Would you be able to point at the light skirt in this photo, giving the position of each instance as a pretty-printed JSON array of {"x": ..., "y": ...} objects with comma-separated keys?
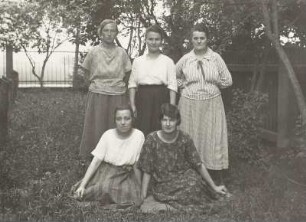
[
  {"x": 112, "y": 185},
  {"x": 205, "y": 122},
  {"x": 99, "y": 117}
]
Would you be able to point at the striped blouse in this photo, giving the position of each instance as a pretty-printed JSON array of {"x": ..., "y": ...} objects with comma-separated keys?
[{"x": 200, "y": 79}]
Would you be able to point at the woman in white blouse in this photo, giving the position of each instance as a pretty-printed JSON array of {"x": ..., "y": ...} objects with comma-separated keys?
[
  {"x": 152, "y": 82},
  {"x": 112, "y": 177},
  {"x": 201, "y": 74}
]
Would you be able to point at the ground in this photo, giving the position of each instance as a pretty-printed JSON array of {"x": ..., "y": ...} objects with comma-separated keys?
[{"x": 39, "y": 165}]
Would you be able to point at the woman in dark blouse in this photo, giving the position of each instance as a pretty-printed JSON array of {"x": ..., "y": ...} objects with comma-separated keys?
[{"x": 170, "y": 159}]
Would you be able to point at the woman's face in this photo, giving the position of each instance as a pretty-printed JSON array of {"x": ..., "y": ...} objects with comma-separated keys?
[
  {"x": 199, "y": 40},
  {"x": 123, "y": 120},
  {"x": 109, "y": 33},
  {"x": 168, "y": 124},
  {"x": 153, "y": 41}
]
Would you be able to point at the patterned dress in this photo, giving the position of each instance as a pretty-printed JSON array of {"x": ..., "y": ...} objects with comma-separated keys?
[{"x": 172, "y": 167}]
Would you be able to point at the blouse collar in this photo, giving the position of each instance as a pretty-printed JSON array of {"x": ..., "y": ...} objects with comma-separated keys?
[{"x": 208, "y": 55}]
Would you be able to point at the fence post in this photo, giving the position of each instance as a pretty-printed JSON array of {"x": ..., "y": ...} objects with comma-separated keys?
[
  {"x": 4, "y": 108},
  {"x": 284, "y": 104},
  {"x": 9, "y": 60}
]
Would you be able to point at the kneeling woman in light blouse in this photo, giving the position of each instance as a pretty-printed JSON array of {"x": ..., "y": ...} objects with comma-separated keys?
[
  {"x": 152, "y": 82},
  {"x": 112, "y": 177}
]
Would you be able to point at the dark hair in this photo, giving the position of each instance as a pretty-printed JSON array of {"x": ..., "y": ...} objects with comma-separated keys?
[
  {"x": 156, "y": 29},
  {"x": 200, "y": 27},
  {"x": 124, "y": 107},
  {"x": 171, "y": 111}
]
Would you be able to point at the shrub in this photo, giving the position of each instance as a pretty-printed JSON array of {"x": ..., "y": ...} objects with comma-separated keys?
[
  {"x": 244, "y": 120},
  {"x": 299, "y": 140}
]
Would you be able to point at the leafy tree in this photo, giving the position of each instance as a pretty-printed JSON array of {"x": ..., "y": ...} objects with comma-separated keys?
[
  {"x": 256, "y": 26},
  {"x": 28, "y": 25},
  {"x": 80, "y": 18},
  {"x": 270, "y": 10},
  {"x": 44, "y": 25},
  {"x": 176, "y": 18}
]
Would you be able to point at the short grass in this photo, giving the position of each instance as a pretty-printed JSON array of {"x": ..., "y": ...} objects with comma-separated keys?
[{"x": 40, "y": 164}]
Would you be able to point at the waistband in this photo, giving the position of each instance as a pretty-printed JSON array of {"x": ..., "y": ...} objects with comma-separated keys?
[{"x": 152, "y": 86}]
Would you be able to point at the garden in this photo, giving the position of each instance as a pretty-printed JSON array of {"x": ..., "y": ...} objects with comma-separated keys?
[{"x": 39, "y": 164}]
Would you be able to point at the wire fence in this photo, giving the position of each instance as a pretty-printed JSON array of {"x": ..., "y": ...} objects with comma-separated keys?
[{"x": 58, "y": 70}]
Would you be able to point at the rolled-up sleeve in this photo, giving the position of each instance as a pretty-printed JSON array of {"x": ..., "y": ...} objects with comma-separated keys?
[
  {"x": 179, "y": 73},
  {"x": 132, "y": 80},
  {"x": 87, "y": 63},
  {"x": 171, "y": 76},
  {"x": 101, "y": 148},
  {"x": 141, "y": 140},
  {"x": 146, "y": 159},
  {"x": 127, "y": 62},
  {"x": 225, "y": 78}
]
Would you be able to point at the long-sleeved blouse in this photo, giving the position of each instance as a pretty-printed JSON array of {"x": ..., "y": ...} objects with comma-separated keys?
[{"x": 201, "y": 79}]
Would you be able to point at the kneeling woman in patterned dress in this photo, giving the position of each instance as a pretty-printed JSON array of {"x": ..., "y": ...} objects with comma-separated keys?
[
  {"x": 170, "y": 159},
  {"x": 112, "y": 177}
]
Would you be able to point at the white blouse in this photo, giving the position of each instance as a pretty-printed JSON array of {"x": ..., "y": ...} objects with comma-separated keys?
[
  {"x": 118, "y": 152},
  {"x": 158, "y": 71}
]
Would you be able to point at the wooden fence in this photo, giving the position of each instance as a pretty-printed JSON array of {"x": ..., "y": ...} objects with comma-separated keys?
[{"x": 281, "y": 111}]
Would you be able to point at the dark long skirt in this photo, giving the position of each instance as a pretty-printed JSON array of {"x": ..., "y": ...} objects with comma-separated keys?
[
  {"x": 99, "y": 117},
  {"x": 149, "y": 99},
  {"x": 112, "y": 185}
]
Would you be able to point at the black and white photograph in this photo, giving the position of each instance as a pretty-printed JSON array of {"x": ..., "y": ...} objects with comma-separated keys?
[{"x": 152, "y": 110}]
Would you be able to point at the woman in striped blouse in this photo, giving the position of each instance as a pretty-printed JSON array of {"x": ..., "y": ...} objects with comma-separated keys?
[{"x": 201, "y": 74}]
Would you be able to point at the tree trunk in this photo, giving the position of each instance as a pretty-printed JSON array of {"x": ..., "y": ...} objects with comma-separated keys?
[
  {"x": 9, "y": 60},
  {"x": 294, "y": 82},
  {"x": 262, "y": 69},
  {"x": 76, "y": 59},
  {"x": 42, "y": 73},
  {"x": 4, "y": 108},
  {"x": 271, "y": 18}
]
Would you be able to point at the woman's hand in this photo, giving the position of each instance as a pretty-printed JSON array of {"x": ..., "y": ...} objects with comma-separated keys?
[
  {"x": 80, "y": 192},
  {"x": 221, "y": 190},
  {"x": 134, "y": 110}
]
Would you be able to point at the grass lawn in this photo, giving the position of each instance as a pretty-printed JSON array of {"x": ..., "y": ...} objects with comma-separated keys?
[{"x": 40, "y": 164}]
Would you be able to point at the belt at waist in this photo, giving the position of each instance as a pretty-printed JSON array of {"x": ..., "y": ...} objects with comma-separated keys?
[{"x": 152, "y": 86}]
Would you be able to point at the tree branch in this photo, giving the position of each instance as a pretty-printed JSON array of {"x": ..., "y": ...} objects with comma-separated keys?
[
  {"x": 274, "y": 37},
  {"x": 275, "y": 20}
]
